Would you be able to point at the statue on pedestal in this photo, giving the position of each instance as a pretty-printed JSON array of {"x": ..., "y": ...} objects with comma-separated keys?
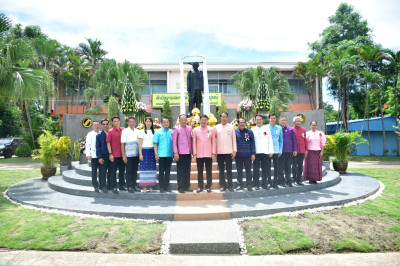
[{"x": 195, "y": 87}]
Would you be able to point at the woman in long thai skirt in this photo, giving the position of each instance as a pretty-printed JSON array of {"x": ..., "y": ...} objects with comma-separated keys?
[
  {"x": 148, "y": 174},
  {"x": 313, "y": 162}
]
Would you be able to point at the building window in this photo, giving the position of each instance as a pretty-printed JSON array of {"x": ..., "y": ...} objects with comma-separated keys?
[
  {"x": 297, "y": 86},
  {"x": 157, "y": 83},
  {"x": 221, "y": 82}
]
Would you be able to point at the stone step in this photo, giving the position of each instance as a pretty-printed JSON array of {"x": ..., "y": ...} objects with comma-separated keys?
[
  {"x": 38, "y": 193},
  {"x": 204, "y": 237},
  {"x": 63, "y": 184}
]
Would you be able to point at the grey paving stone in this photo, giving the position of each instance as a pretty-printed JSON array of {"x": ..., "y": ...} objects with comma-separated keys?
[{"x": 204, "y": 237}]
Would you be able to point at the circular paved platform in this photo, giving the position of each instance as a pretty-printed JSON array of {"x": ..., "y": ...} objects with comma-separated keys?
[{"x": 72, "y": 191}]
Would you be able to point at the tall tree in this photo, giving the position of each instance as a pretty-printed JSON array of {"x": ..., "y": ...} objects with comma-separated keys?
[
  {"x": 394, "y": 70},
  {"x": 93, "y": 53}
]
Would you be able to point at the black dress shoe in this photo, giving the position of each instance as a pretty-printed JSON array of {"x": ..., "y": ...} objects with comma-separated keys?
[
  {"x": 188, "y": 190},
  {"x": 136, "y": 189},
  {"x": 115, "y": 190},
  {"x": 222, "y": 189},
  {"x": 266, "y": 187},
  {"x": 130, "y": 190},
  {"x": 168, "y": 189},
  {"x": 181, "y": 190},
  {"x": 122, "y": 188},
  {"x": 162, "y": 190},
  {"x": 299, "y": 183},
  {"x": 199, "y": 190},
  {"x": 257, "y": 188},
  {"x": 283, "y": 185},
  {"x": 209, "y": 190},
  {"x": 96, "y": 189},
  {"x": 239, "y": 187},
  {"x": 105, "y": 190},
  {"x": 231, "y": 189},
  {"x": 249, "y": 188},
  {"x": 290, "y": 184}
]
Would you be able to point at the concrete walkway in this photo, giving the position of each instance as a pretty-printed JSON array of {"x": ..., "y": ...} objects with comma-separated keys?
[
  {"x": 375, "y": 164},
  {"x": 88, "y": 259}
]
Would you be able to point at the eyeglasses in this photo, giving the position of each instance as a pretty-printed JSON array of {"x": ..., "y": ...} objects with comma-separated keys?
[{"x": 105, "y": 124}]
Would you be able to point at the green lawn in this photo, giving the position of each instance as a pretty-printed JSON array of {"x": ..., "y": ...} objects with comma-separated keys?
[
  {"x": 373, "y": 226},
  {"x": 23, "y": 228},
  {"x": 21, "y": 160},
  {"x": 373, "y": 158}
]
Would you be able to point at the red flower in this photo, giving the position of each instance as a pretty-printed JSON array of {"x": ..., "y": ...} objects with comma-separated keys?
[
  {"x": 265, "y": 133},
  {"x": 246, "y": 135}
]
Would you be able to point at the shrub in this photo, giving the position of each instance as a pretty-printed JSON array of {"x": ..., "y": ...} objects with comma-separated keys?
[
  {"x": 344, "y": 142},
  {"x": 23, "y": 151},
  {"x": 48, "y": 149}
]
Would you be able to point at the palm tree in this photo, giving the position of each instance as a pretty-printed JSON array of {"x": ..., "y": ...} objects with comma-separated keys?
[
  {"x": 369, "y": 56},
  {"x": 279, "y": 90},
  {"x": 394, "y": 66},
  {"x": 80, "y": 70},
  {"x": 5, "y": 23},
  {"x": 111, "y": 79},
  {"x": 248, "y": 81},
  {"x": 305, "y": 71},
  {"x": 342, "y": 68},
  {"x": 93, "y": 53},
  {"x": 18, "y": 82}
]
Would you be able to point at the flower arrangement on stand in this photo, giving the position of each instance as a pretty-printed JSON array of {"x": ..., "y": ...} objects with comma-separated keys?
[
  {"x": 251, "y": 123},
  {"x": 235, "y": 123},
  {"x": 140, "y": 126},
  {"x": 247, "y": 108},
  {"x": 82, "y": 144},
  {"x": 156, "y": 123},
  {"x": 211, "y": 119},
  {"x": 141, "y": 112}
]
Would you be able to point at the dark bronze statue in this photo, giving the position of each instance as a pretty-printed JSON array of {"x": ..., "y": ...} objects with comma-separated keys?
[{"x": 195, "y": 87}]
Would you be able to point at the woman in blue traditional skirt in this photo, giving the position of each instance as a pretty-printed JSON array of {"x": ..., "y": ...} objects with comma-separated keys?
[
  {"x": 148, "y": 174},
  {"x": 313, "y": 159}
]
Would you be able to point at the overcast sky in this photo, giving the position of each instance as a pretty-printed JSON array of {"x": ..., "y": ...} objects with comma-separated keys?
[{"x": 219, "y": 30}]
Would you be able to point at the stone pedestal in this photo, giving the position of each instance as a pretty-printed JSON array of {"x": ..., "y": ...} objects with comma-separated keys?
[{"x": 232, "y": 114}]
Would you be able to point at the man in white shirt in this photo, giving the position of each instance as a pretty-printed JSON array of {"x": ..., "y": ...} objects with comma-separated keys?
[
  {"x": 130, "y": 153},
  {"x": 264, "y": 150},
  {"x": 91, "y": 153}
]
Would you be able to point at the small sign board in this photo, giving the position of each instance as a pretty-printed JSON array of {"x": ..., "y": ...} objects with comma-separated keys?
[
  {"x": 175, "y": 99},
  {"x": 86, "y": 122}
]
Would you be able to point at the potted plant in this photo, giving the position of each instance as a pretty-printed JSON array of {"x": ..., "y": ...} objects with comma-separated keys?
[
  {"x": 328, "y": 151},
  {"x": 76, "y": 153},
  {"x": 64, "y": 149},
  {"x": 344, "y": 142},
  {"x": 47, "y": 154}
]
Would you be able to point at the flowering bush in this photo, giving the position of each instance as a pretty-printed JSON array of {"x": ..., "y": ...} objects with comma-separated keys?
[
  {"x": 141, "y": 107},
  {"x": 156, "y": 123},
  {"x": 140, "y": 126}
]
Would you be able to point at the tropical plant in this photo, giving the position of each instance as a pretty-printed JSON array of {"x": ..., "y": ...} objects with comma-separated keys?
[
  {"x": 344, "y": 143},
  {"x": 5, "y": 23},
  {"x": 64, "y": 148},
  {"x": 23, "y": 151},
  {"x": 167, "y": 112},
  {"x": 48, "y": 149},
  {"x": 329, "y": 147},
  {"x": 112, "y": 107},
  {"x": 76, "y": 151}
]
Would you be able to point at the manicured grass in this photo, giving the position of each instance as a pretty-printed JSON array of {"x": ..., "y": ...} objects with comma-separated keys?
[
  {"x": 373, "y": 226},
  {"x": 21, "y": 160},
  {"x": 373, "y": 158},
  {"x": 23, "y": 228}
]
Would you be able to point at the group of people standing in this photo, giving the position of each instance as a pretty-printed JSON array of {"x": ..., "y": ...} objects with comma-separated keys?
[{"x": 284, "y": 147}]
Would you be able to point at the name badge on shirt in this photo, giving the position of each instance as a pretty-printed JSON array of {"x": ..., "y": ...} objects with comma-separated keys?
[{"x": 132, "y": 149}]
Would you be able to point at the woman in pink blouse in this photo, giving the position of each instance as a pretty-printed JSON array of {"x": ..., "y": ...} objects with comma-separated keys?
[{"x": 313, "y": 163}]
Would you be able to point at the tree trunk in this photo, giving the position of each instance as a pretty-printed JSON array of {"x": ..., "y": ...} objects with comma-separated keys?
[
  {"x": 383, "y": 122},
  {"x": 44, "y": 111},
  {"x": 366, "y": 108},
  {"x": 20, "y": 120},
  {"x": 28, "y": 116}
]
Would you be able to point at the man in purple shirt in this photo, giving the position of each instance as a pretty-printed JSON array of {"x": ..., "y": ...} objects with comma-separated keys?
[
  {"x": 288, "y": 151},
  {"x": 182, "y": 147}
]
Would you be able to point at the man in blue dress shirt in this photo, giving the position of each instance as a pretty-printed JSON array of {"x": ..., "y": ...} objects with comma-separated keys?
[
  {"x": 277, "y": 141},
  {"x": 102, "y": 154},
  {"x": 163, "y": 152}
]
